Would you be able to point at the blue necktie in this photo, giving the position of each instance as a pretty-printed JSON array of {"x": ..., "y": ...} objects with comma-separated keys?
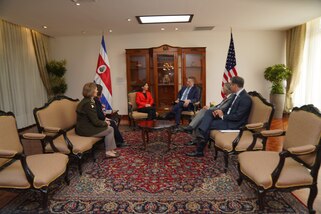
[{"x": 185, "y": 94}]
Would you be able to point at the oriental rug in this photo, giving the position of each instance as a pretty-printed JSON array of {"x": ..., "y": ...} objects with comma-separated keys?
[{"x": 154, "y": 181}]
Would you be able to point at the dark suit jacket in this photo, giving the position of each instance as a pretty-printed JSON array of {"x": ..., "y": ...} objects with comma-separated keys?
[
  {"x": 240, "y": 111},
  {"x": 193, "y": 95},
  {"x": 225, "y": 104},
  {"x": 99, "y": 109}
]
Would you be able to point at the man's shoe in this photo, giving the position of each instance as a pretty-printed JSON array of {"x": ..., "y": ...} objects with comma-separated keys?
[
  {"x": 121, "y": 145},
  {"x": 191, "y": 143},
  {"x": 188, "y": 129},
  {"x": 200, "y": 137},
  {"x": 195, "y": 154}
]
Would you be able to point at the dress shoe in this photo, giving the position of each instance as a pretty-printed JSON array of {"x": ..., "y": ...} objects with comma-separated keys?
[
  {"x": 121, "y": 145},
  {"x": 191, "y": 143},
  {"x": 200, "y": 137},
  {"x": 195, "y": 154},
  {"x": 188, "y": 129}
]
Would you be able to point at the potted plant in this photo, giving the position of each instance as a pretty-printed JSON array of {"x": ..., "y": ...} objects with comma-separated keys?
[
  {"x": 277, "y": 74},
  {"x": 56, "y": 71}
]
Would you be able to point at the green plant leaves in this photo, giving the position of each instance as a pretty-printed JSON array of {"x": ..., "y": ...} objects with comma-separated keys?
[
  {"x": 56, "y": 71},
  {"x": 276, "y": 74}
]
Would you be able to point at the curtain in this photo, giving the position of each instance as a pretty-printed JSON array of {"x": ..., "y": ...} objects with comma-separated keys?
[
  {"x": 309, "y": 85},
  {"x": 294, "y": 54},
  {"x": 40, "y": 43},
  {"x": 21, "y": 88}
]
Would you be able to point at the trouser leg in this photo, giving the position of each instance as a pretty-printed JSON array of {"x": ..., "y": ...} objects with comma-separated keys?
[{"x": 109, "y": 139}]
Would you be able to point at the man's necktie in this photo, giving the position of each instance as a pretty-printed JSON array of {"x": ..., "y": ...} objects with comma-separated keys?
[
  {"x": 229, "y": 110},
  {"x": 185, "y": 94}
]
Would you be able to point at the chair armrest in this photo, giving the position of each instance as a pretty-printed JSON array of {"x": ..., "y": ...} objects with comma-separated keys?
[
  {"x": 273, "y": 133},
  {"x": 33, "y": 136},
  {"x": 253, "y": 126},
  {"x": 51, "y": 129},
  {"x": 7, "y": 153},
  {"x": 302, "y": 150}
]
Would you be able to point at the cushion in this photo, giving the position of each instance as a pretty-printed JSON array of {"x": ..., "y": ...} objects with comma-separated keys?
[{"x": 259, "y": 165}]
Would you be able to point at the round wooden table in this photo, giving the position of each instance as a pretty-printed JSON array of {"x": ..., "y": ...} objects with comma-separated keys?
[{"x": 151, "y": 125}]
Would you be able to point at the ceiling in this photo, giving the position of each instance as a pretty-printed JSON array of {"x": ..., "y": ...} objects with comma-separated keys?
[{"x": 93, "y": 17}]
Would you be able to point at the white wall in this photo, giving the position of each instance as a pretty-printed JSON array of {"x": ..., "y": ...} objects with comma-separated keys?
[{"x": 255, "y": 50}]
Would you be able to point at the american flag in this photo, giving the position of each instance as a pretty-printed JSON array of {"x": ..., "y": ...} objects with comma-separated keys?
[
  {"x": 230, "y": 67},
  {"x": 102, "y": 76}
]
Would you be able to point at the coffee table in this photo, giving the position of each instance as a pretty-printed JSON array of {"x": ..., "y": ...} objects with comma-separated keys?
[{"x": 152, "y": 125}]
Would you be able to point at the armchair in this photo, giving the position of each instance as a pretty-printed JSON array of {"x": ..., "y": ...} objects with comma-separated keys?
[
  {"x": 260, "y": 118},
  {"x": 296, "y": 166},
  {"x": 18, "y": 171},
  {"x": 133, "y": 114}
]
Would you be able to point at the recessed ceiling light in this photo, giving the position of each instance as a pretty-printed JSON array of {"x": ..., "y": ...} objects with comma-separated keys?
[
  {"x": 129, "y": 19},
  {"x": 162, "y": 28},
  {"x": 176, "y": 28},
  {"x": 77, "y": 3},
  {"x": 45, "y": 27},
  {"x": 164, "y": 19},
  {"x": 110, "y": 31}
]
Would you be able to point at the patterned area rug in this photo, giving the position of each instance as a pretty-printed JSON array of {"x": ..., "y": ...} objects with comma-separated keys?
[{"x": 154, "y": 181}]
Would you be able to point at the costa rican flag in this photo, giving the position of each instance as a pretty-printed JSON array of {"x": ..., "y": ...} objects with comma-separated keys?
[
  {"x": 230, "y": 67},
  {"x": 103, "y": 77}
]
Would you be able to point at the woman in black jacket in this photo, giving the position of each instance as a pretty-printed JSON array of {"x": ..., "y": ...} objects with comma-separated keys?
[{"x": 120, "y": 142}]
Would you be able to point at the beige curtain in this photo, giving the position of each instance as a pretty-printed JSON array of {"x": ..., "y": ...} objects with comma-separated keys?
[
  {"x": 295, "y": 39},
  {"x": 40, "y": 43},
  {"x": 21, "y": 88}
]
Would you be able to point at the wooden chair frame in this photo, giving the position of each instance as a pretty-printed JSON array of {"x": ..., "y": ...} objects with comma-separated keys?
[
  {"x": 264, "y": 126},
  {"x": 283, "y": 156},
  {"x": 80, "y": 156},
  {"x": 27, "y": 171}
]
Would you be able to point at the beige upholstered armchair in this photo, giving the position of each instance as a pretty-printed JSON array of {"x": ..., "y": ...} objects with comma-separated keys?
[
  {"x": 260, "y": 118},
  {"x": 133, "y": 114},
  {"x": 57, "y": 119},
  {"x": 296, "y": 166},
  {"x": 18, "y": 171}
]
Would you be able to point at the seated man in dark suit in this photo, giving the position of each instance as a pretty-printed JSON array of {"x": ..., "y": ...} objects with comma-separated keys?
[
  {"x": 223, "y": 105},
  {"x": 231, "y": 119},
  {"x": 188, "y": 95}
]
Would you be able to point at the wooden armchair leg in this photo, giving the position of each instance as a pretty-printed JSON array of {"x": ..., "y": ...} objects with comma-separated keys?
[
  {"x": 312, "y": 196},
  {"x": 225, "y": 162},
  {"x": 80, "y": 160},
  {"x": 261, "y": 194},
  {"x": 67, "y": 180},
  {"x": 44, "y": 193}
]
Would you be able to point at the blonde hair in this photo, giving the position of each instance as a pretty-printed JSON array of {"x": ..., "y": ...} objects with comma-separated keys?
[{"x": 89, "y": 89}]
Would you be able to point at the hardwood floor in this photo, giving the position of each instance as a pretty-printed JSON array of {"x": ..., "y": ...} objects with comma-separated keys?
[{"x": 273, "y": 144}]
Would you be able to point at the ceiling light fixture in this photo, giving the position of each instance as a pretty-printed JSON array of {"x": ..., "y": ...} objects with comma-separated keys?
[
  {"x": 176, "y": 28},
  {"x": 110, "y": 31},
  {"x": 45, "y": 27},
  {"x": 165, "y": 19},
  {"x": 129, "y": 19},
  {"x": 162, "y": 28}
]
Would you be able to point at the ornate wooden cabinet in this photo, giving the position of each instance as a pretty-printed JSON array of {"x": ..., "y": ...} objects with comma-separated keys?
[{"x": 165, "y": 68}]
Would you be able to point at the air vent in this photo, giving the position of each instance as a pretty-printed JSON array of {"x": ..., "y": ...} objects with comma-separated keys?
[{"x": 204, "y": 28}]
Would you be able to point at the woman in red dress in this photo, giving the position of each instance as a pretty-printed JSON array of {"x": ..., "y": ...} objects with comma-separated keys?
[{"x": 145, "y": 101}]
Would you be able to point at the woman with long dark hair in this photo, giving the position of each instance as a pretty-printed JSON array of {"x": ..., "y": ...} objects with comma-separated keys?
[{"x": 120, "y": 142}]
